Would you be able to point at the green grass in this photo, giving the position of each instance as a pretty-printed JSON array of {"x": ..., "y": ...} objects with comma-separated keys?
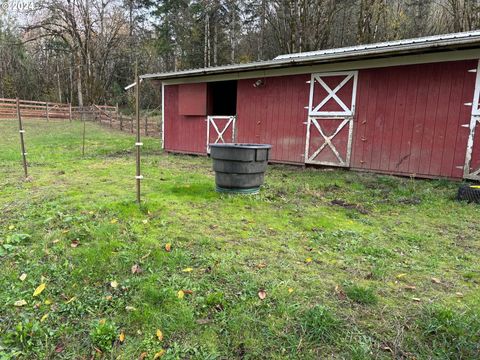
[{"x": 346, "y": 279}]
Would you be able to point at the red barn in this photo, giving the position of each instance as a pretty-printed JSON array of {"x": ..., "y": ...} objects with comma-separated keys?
[{"x": 407, "y": 107}]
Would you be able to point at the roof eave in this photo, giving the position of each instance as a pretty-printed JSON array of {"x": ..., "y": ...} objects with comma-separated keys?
[{"x": 445, "y": 45}]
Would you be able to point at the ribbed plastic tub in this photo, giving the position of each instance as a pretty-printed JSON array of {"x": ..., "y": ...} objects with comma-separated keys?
[{"x": 239, "y": 168}]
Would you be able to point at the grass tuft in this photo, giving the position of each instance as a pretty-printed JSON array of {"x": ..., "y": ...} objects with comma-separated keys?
[
  {"x": 319, "y": 324},
  {"x": 359, "y": 294}
]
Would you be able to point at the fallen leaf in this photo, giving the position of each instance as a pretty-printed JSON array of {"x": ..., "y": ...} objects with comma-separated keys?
[
  {"x": 130, "y": 308},
  {"x": 11, "y": 227},
  {"x": 168, "y": 247},
  {"x": 308, "y": 260},
  {"x": 71, "y": 299},
  {"x": 47, "y": 302},
  {"x": 114, "y": 284},
  {"x": 180, "y": 294},
  {"x": 290, "y": 290},
  {"x": 143, "y": 355},
  {"x": 59, "y": 348},
  {"x": 39, "y": 289},
  {"x": 399, "y": 276},
  {"x": 55, "y": 241},
  {"x": 261, "y": 266},
  {"x": 145, "y": 221},
  {"x": 159, "y": 354},
  {"x": 74, "y": 243},
  {"x": 102, "y": 321},
  {"x": 113, "y": 221},
  {"x": 262, "y": 294},
  {"x": 436, "y": 280},
  {"x": 188, "y": 269},
  {"x": 136, "y": 269},
  {"x": 121, "y": 337},
  {"x": 23, "y": 277},
  {"x": 416, "y": 299},
  {"x": 410, "y": 287},
  {"x": 459, "y": 294},
  {"x": 108, "y": 297},
  {"x": 159, "y": 335},
  {"x": 146, "y": 255},
  {"x": 44, "y": 317},
  {"x": 20, "y": 303},
  {"x": 203, "y": 321}
]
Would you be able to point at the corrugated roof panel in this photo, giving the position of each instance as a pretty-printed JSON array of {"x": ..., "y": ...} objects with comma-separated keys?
[{"x": 391, "y": 48}]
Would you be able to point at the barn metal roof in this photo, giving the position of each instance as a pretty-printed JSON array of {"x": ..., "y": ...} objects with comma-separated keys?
[{"x": 463, "y": 40}]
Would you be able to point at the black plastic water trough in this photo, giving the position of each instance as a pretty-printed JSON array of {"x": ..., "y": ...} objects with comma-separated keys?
[{"x": 239, "y": 168}]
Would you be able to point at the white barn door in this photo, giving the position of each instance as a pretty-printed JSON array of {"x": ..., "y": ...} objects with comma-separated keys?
[
  {"x": 220, "y": 130},
  {"x": 471, "y": 169},
  {"x": 331, "y": 110}
]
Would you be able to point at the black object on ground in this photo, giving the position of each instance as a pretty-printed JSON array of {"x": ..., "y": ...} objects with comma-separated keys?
[
  {"x": 239, "y": 168},
  {"x": 469, "y": 193}
]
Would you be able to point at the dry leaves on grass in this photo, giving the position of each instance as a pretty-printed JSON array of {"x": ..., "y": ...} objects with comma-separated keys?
[
  {"x": 262, "y": 294},
  {"x": 121, "y": 337},
  {"x": 168, "y": 247},
  {"x": 20, "y": 303},
  {"x": 159, "y": 354},
  {"x": 159, "y": 335},
  {"x": 39, "y": 289},
  {"x": 23, "y": 277},
  {"x": 136, "y": 269}
]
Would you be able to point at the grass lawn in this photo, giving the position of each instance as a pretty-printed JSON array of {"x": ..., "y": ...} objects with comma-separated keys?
[{"x": 349, "y": 265}]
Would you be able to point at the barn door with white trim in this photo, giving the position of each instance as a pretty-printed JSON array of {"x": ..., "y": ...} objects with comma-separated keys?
[
  {"x": 220, "y": 130},
  {"x": 471, "y": 169},
  {"x": 331, "y": 110}
]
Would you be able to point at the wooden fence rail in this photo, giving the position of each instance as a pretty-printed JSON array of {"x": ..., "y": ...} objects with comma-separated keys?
[{"x": 105, "y": 115}]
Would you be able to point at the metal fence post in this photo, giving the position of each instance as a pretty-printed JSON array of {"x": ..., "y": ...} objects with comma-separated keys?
[{"x": 22, "y": 140}]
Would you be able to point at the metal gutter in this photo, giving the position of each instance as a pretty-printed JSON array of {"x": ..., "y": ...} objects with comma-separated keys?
[{"x": 448, "y": 42}]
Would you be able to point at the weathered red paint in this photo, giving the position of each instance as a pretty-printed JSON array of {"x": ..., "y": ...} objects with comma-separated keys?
[
  {"x": 408, "y": 119},
  {"x": 192, "y": 99},
  {"x": 182, "y": 133}
]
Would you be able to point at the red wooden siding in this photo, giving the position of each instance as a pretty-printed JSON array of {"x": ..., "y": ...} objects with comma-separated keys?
[
  {"x": 182, "y": 133},
  {"x": 275, "y": 114},
  {"x": 192, "y": 99},
  {"x": 408, "y": 119}
]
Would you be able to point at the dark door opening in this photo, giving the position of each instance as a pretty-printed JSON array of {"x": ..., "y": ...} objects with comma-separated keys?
[{"x": 222, "y": 98}]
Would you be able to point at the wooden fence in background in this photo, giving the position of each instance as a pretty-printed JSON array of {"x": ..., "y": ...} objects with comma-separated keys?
[{"x": 105, "y": 115}]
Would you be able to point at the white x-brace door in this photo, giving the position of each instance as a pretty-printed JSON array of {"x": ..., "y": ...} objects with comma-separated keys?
[
  {"x": 220, "y": 130},
  {"x": 473, "y": 144},
  {"x": 331, "y": 111}
]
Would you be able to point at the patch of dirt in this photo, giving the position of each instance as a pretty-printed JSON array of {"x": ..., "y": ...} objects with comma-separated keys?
[{"x": 346, "y": 205}]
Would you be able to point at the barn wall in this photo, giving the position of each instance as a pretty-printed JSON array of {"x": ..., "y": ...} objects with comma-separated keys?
[
  {"x": 182, "y": 133},
  {"x": 408, "y": 119},
  {"x": 274, "y": 114}
]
